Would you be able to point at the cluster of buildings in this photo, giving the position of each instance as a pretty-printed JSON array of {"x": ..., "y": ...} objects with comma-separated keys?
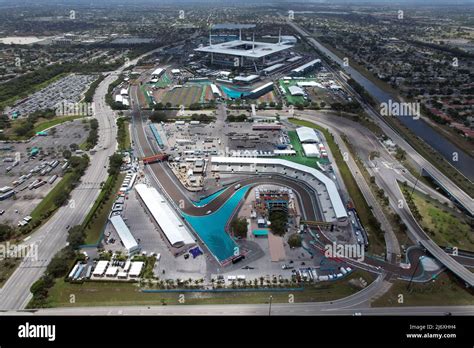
[{"x": 311, "y": 143}]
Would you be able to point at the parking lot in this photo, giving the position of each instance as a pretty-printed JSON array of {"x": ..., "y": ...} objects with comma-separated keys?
[
  {"x": 151, "y": 240},
  {"x": 23, "y": 163},
  {"x": 68, "y": 89}
]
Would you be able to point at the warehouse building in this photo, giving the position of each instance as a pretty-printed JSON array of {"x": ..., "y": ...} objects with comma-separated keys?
[
  {"x": 306, "y": 67},
  {"x": 176, "y": 233},
  {"x": 307, "y": 135},
  {"x": 129, "y": 242}
]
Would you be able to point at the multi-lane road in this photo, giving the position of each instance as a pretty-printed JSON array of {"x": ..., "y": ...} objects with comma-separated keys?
[
  {"x": 393, "y": 191},
  {"x": 51, "y": 237}
]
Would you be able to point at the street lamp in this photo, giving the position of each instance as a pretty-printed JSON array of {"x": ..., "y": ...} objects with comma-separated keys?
[
  {"x": 416, "y": 182},
  {"x": 270, "y": 307},
  {"x": 414, "y": 272}
]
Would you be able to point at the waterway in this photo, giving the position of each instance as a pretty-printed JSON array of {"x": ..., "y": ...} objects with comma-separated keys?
[{"x": 464, "y": 162}]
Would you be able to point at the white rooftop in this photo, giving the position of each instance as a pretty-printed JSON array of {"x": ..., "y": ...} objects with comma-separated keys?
[
  {"x": 136, "y": 268},
  {"x": 100, "y": 267},
  {"x": 307, "y": 135},
  {"x": 311, "y": 150},
  {"x": 307, "y": 65},
  {"x": 336, "y": 201},
  {"x": 233, "y": 48},
  {"x": 246, "y": 78},
  {"x": 124, "y": 233},
  {"x": 171, "y": 225},
  {"x": 295, "y": 90}
]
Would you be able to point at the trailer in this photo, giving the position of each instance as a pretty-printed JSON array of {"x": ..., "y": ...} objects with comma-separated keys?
[
  {"x": 78, "y": 272},
  {"x": 74, "y": 269},
  {"x": 88, "y": 272},
  {"x": 52, "y": 179}
]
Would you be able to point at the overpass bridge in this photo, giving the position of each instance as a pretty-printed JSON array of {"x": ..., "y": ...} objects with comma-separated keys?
[
  {"x": 460, "y": 198},
  {"x": 449, "y": 262}
]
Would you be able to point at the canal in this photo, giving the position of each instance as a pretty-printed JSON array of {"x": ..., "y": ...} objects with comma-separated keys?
[{"x": 464, "y": 163}]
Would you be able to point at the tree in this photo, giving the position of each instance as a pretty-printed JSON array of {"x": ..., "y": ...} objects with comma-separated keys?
[
  {"x": 76, "y": 236},
  {"x": 61, "y": 198},
  {"x": 278, "y": 221},
  {"x": 6, "y": 232},
  {"x": 115, "y": 162},
  {"x": 158, "y": 116},
  {"x": 74, "y": 147},
  {"x": 239, "y": 227},
  {"x": 294, "y": 240},
  {"x": 67, "y": 154}
]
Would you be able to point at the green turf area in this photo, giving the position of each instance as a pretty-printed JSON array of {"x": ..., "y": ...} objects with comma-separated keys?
[
  {"x": 300, "y": 157},
  {"x": 163, "y": 82},
  {"x": 183, "y": 96},
  {"x": 116, "y": 293},
  {"x": 145, "y": 94},
  {"x": 42, "y": 125},
  {"x": 123, "y": 134},
  {"x": 445, "y": 290},
  {"x": 39, "y": 125},
  {"x": 445, "y": 227},
  {"x": 99, "y": 213},
  {"x": 376, "y": 240},
  {"x": 291, "y": 99},
  {"x": 47, "y": 204}
]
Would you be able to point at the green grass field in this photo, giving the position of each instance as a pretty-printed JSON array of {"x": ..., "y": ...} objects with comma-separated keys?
[
  {"x": 97, "y": 221},
  {"x": 291, "y": 99},
  {"x": 126, "y": 294},
  {"x": 183, "y": 96},
  {"x": 445, "y": 290},
  {"x": 42, "y": 125},
  {"x": 444, "y": 227},
  {"x": 47, "y": 203},
  {"x": 163, "y": 82},
  {"x": 300, "y": 156},
  {"x": 39, "y": 126}
]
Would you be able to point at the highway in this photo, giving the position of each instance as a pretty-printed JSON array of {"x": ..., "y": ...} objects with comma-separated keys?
[
  {"x": 51, "y": 237},
  {"x": 293, "y": 309},
  {"x": 393, "y": 191},
  {"x": 455, "y": 191}
]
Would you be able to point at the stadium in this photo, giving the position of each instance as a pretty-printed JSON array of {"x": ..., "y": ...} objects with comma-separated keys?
[{"x": 254, "y": 55}]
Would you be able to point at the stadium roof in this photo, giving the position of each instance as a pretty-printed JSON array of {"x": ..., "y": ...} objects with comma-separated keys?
[
  {"x": 165, "y": 217},
  {"x": 242, "y": 48},
  {"x": 307, "y": 135},
  {"x": 336, "y": 201},
  {"x": 124, "y": 233}
]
